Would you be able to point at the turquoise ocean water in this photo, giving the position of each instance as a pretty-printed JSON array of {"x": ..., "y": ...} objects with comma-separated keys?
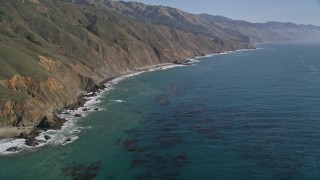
[{"x": 244, "y": 115}]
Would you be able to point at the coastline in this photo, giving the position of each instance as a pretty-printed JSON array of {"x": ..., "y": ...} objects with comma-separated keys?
[
  {"x": 14, "y": 141},
  {"x": 65, "y": 130}
]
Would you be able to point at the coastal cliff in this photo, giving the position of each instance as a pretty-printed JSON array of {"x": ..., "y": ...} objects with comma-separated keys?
[{"x": 52, "y": 50}]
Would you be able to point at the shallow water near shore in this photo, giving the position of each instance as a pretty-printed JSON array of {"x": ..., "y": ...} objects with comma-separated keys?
[{"x": 244, "y": 115}]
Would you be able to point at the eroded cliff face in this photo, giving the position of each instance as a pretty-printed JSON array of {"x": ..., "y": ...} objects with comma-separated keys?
[
  {"x": 42, "y": 99},
  {"x": 54, "y": 50}
]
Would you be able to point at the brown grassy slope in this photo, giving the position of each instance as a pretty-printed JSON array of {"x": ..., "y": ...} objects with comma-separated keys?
[{"x": 51, "y": 50}]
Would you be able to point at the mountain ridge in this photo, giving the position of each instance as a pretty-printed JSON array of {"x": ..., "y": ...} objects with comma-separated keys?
[
  {"x": 211, "y": 25},
  {"x": 53, "y": 50},
  {"x": 271, "y": 31}
]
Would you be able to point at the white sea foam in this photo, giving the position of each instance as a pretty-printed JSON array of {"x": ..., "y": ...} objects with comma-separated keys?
[
  {"x": 168, "y": 67},
  {"x": 118, "y": 101},
  {"x": 226, "y": 52},
  {"x": 8, "y": 143},
  {"x": 195, "y": 60}
]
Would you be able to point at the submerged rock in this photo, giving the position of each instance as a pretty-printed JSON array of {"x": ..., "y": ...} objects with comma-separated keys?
[
  {"x": 47, "y": 137},
  {"x": 164, "y": 99},
  {"x": 67, "y": 140},
  {"x": 138, "y": 161},
  {"x": 33, "y": 142},
  {"x": 80, "y": 171},
  {"x": 14, "y": 149},
  {"x": 130, "y": 144},
  {"x": 31, "y": 138},
  {"x": 77, "y": 115},
  {"x": 180, "y": 161}
]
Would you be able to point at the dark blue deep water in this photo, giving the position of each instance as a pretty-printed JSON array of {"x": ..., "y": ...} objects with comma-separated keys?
[{"x": 245, "y": 115}]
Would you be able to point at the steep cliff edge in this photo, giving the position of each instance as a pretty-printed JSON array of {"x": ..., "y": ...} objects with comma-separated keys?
[{"x": 51, "y": 50}]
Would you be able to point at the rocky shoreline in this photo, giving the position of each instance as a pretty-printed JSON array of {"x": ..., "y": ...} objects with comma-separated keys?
[{"x": 56, "y": 122}]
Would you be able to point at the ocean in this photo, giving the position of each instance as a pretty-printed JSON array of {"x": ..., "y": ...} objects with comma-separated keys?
[{"x": 243, "y": 115}]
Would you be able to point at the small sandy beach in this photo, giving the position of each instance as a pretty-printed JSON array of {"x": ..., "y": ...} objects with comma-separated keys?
[
  {"x": 154, "y": 66},
  {"x": 9, "y": 132}
]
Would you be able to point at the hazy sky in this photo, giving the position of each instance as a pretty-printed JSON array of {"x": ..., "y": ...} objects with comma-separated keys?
[{"x": 297, "y": 11}]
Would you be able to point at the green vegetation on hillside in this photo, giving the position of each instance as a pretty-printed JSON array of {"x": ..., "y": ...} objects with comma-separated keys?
[
  {"x": 13, "y": 61},
  {"x": 80, "y": 45},
  {"x": 6, "y": 94}
]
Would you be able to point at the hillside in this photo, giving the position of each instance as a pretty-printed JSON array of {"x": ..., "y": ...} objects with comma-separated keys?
[
  {"x": 171, "y": 17},
  {"x": 51, "y": 50}
]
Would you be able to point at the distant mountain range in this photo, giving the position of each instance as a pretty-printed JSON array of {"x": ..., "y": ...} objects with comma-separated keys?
[
  {"x": 51, "y": 50},
  {"x": 267, "y": 32},
  {"x": 213, "y": 26}
]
